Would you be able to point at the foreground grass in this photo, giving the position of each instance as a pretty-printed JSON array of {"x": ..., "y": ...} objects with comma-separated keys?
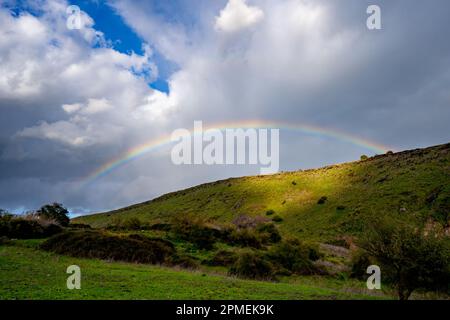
[{"x": 29, "y": 273}]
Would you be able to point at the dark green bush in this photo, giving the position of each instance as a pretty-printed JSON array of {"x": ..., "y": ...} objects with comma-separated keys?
[
  {"x": 79, "y": 226},
  {"x": 359, "y": 263},
  {"x": 270, "y": 212},
  {"x": 268, "y": 233},
  {"x": 293, "y": 256},
  {"x": 314, "y": 253},
  {"x": 223, "y": 258},
  {"x": 184, "y": 261},
  {"x": 96, "y": 244},
  {"x": 4, "y": 240},
  {"x": 195, "y": 230},
  {"x": 22, "y": 228},
  {"x": 246, "y": 237},
  {"x": 132, "y": 223},
  {"x": 322, "y": 200},
  {"x": 277, "y": 219},
  {"x": 251, "y": 265},
  {"x": 161, "y": 226}
]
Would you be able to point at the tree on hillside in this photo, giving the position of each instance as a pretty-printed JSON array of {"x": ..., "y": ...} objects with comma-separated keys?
[
  {"x": 409, "y": 257},
  {"x": 55, "y": 212}
]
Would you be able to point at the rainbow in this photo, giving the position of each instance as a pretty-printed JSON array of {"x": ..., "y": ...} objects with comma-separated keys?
[{"x": 154, "y": 144}]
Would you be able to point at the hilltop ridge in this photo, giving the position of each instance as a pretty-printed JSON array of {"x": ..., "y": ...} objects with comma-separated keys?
[{"x": 328, "y": 202}]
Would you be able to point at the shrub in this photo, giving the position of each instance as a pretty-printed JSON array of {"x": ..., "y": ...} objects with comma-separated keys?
[
  {"x": 409, "y": 257},
  {"x": 251, "y": 265},
  {"x": 79, "y": 226},
  {"x": 270, "y": 212},
  {"x": 364, "y": 157},
  {"x": 194, "y": 230},
  {"x": 4, "y": 240},
  {"x": 160, "y": 226},
  {"x": 313, "y": 253},
  {"x": 359, "y": 263},
  {"x": 26, "y": 228},
  {"x": 245, "y": 238},
  {"x": 55, "y": 212},
  {"x": 269, "y": 233},
  {"x": 322, "y": 200},
  {"x": 132, "y": 223},
  {"x": 96, "y": 244},
  {"x": 292, "y": 255},
  {"x": 223, "y": 258},
  {"x": 184, "y": 261},
  {"x": 277, "y": 219}
]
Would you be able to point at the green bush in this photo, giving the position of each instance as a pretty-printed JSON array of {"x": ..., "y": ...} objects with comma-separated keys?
[
  {"x": 359, "y": 263},
  {"x": 277, "y": 219},
  {"x": 161, "y": 227},
  {"x": 96, "y": 244},
  {"x": 184, "y": 261},
  {"x": 246, "y": 237},
  {"x": 313, "y": 253},
  {"x": 270, "y": 212},
  {"x": 268, "y": 233},
  {"x": 292, "y": 255},
  {"x": 195, "y": 230},
  {"x": 79, "y": 226},
  {"x": 132, "y": 224},
  {"x": 322, "y": 200},
  {"x": 223, "y": 258},
  {"x": 4, "y": 240},
  {"x": 15, "y": 227},
  {"x": 251, "y": 265}
]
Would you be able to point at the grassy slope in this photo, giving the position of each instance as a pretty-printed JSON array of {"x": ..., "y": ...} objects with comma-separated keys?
[
  {"x": 382, "y": 184},
  {"x": 29, "y": 273}
]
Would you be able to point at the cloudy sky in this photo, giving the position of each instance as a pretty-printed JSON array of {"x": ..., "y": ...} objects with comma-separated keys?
[{"x": 71, "y": 100}]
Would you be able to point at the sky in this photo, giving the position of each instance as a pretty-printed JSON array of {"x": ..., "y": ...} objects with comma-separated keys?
[{"x": 76, "y": 104}]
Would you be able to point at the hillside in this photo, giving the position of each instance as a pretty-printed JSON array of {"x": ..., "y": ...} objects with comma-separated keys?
[{"x": 410, "y": 185}]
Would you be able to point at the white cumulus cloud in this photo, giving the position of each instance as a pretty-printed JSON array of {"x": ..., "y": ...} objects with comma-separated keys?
[{"x": 238, "y": 15}]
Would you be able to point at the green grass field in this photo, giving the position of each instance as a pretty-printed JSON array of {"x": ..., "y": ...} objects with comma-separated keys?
[{"x": 29, "y": 273}]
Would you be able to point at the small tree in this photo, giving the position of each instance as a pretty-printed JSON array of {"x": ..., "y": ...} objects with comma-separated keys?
[
  {"x": 55, "y": 212},
  {"x": 409, "y": 257}
]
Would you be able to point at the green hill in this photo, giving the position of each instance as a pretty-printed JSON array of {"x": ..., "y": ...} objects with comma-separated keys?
[{"x": 410, "y": 185}]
